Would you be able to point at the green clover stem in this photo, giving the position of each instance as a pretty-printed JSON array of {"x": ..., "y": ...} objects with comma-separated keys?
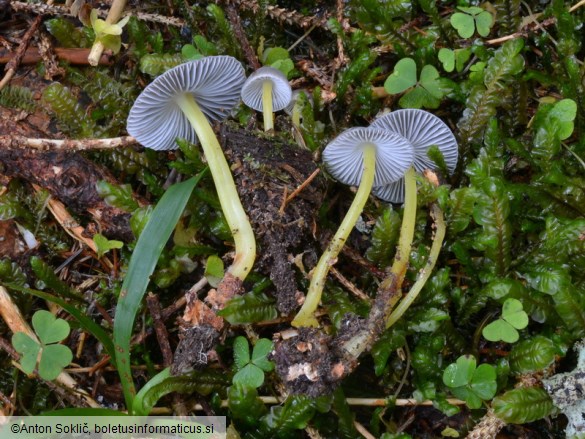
[
  {"x": 305, "y": 316},
  {"x": 267, "y": 105},
  {"x": 439, "y": 235},
  {"x": 229, "y": 199}
]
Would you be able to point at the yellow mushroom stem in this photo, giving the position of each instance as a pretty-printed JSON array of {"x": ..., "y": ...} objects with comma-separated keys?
[
  {"x": 402, "y": 258},
  {"x": 229, "y": 199},
  {"x": 267, "y": 105},
  {"x": 306, "y": 317},
  {"x": 425, "y": 273}
]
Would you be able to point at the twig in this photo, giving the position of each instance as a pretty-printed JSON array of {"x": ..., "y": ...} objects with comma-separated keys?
[
  {"x": 49, "y": 57},
  {"x": 341, "y": 59},
  {"x": 71, "y": 227},
  {"x": 39, "y": 8},
  {"x": 72, "y": 56},
  {"x": 113, "y": 16},
  {"x": 522, "y": 33},
  {"x": 236, "y": 23},
  {"x": 577, "y": 6},
  {"x": 161, "y": 331},
  {"x": 298, "y": 190},
  {"x": 366, "y": 402},
  {"x": 13, "y": 64},
  {"x": 20, "y": 142},
  {"x": 351, "y": 287},
  {"x": 363, "y": 431},
  {"x": 488, "y": 428},
  {"x": 13, "y": 318},
  {"x": 285, "y": 16}
]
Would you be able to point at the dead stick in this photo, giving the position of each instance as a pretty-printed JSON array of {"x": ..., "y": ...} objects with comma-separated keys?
[
  {"x": 13, "y": 64},
  {"x": 161, "y": 331},
  {"x": 20, "y": 142},
  {"x": 72, "y": 56},
  {"x": 236, "y": 23},
  {"x": 303, "y": 185}
]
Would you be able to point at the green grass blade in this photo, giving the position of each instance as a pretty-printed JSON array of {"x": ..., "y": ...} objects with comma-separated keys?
[{"x": 142, "y": 264}]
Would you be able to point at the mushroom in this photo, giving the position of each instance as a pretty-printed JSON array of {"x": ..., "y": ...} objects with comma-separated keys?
[
  {"x": 423, "y": 130},
  {"x": 180, "y": 103},
  {"x": 363, "y": 157},
  {"x": 267, "y": 90}
]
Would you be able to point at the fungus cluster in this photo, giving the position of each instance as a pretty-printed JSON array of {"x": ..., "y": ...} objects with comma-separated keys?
[{"x": 378, "y": 159}]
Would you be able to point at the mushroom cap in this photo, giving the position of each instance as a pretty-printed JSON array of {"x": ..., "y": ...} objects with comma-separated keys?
[
  {"x": 215, "y": 83},
  {"x": 281, "y": 89},
  {"x": 344, "y": 159},
  {"x": 423, "y": 130}
]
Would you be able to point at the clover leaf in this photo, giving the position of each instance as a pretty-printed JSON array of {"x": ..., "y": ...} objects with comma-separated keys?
[
  {"x": 251, "y": 369},
  {"x": 470, "y": 19},
  {"x": 53, "y": 356},
  {"x": 470, "y": 383},
  {"x": 505, "y": 328},
  {"x": 279, "y": 58},
  {"x": 200, "y": 48},
  {"x": 106, "y": 33},
  {"x": 563, "y": 115},
  {"x": 214, "y": 270},
  {"x": 104, "y": 245},
  {"x": 454, "y": 59},
  {"x": 426, "y": 92}
]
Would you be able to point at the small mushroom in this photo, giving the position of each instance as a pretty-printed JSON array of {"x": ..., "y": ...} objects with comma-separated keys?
[
  {"x": 361, "y": 157},
  {"x": 423, "y": 130},
  {"x": 180, "y": 103},
  {"x": 267, "y": 90}
]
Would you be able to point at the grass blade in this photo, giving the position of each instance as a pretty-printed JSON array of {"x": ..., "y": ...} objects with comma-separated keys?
[{"x": 142, "y": 264}]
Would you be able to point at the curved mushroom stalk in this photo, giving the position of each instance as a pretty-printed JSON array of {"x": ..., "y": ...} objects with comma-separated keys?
[
  {"x": 267, "y": 90},
  {"x": 364, "y": 157},
  {"x": 423, "y": 130},
  {"x": 305, "y": 316},
  {"x": 180, "y": 103},
  {"x": 244, "y": 240}
]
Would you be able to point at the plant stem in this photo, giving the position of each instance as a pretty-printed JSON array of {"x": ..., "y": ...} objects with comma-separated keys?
[
  {"x": 113, "y": 16},
  {"x": 439, "y": 235},
  {"x": 267, "y": 105},
  {"x": 305, "y": 316},
  {"x": 229, "y": 199}
]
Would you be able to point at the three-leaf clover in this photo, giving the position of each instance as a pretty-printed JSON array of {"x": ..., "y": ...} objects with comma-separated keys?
[
  {"x": 199, "y": 49},
  {"x": 251, "y": 369},
  {"x": 454, "y": 59},
  {"x": 53, "y": 356},
  {"x": 505, "y": 328},
  {"x": 108, "y": 34},
  {"x": 470, "y": 19},
  {"x": 470, "y": 383},
  {"x": 426, "y": 92}
]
